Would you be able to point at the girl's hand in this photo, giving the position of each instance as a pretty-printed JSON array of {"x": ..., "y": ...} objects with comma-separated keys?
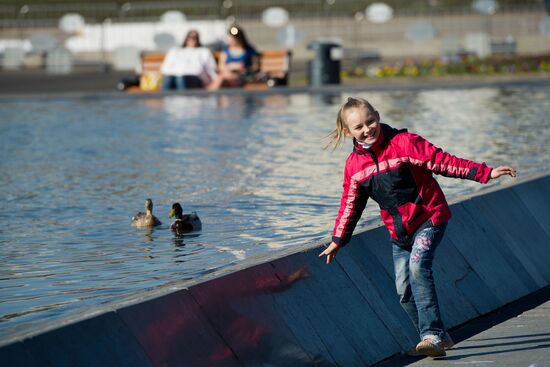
[
  {"x": 503, "y": 170},
  {"x": 330, "y": 252}
]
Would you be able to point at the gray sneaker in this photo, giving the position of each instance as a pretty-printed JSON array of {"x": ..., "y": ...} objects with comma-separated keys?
[
  {"x": 447, "y": 342},
  {"x": 432, "y": 346}
]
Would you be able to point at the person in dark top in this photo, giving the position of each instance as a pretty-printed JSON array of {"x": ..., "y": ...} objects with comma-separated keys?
[{"x": 238, "y": 61}]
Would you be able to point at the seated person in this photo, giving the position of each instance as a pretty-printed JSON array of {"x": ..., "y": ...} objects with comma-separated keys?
[
  {"x": 238, "y": 61},
  {"x": 189, "y": 66}
]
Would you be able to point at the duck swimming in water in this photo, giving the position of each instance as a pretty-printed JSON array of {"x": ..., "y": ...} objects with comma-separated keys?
[
  {"x": 184, "y": 222},
  {"x": 147, "y": 219}
]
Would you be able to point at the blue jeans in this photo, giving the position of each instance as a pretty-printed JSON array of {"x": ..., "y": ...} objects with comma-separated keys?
[
  {"x": 414, "y": 280},
  {"x": 181, "y": 82}
]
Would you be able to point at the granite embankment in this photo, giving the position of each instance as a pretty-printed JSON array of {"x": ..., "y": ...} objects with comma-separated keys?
[{"x": 294, "y": 310}]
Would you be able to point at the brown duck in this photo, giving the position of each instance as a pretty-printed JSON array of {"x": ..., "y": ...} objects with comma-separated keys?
[{"x": 147, "y": 219}]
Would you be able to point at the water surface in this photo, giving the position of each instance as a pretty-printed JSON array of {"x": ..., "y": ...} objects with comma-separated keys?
[{"x": 253, "y": 167}]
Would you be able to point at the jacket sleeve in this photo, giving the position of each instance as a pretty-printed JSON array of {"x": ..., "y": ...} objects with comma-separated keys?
[
  {"x": 423, "y": 153},
  {"x": 352, "y": 204}
]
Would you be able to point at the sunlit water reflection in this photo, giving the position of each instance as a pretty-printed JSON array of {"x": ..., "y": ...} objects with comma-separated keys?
[{"x": 75, "y": 171}]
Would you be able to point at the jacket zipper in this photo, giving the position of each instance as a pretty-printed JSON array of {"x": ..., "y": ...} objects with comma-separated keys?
[{"x": 375, "y": 159}]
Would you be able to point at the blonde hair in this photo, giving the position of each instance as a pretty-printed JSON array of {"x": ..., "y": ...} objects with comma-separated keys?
[{"x": 337, "y": 136}]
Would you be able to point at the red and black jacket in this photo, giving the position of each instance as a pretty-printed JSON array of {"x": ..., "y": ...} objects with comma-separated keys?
[{"x": 396, "y": 172}]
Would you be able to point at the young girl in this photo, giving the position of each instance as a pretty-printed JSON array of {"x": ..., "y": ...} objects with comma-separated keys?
[{"x": 394, "y": 168}]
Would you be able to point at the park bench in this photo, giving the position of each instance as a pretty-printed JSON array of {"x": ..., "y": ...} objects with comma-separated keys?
[{"x": 274, "y": 70}]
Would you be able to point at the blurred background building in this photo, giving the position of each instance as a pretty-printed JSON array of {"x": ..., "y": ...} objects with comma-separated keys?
[{"x": 64, "y": 36}]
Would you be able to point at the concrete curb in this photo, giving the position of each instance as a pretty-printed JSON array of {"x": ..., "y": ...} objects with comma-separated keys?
[{"x": 383, "y": 85}]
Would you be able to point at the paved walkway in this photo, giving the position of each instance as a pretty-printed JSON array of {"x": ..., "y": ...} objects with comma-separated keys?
[
  {"x": 38, "y": 82},
  {"x": 515, "y": 336}
]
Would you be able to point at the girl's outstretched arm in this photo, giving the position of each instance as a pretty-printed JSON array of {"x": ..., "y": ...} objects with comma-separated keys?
[
  {"x": 503, "y": 170},
  {"x": 421, "y": 152},
  {"x": 330, "y": 252}
]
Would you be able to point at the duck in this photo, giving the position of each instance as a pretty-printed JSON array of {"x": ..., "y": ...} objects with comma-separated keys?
[
  {"x": 147, "y": 219},
  {"x": 184, "y": 222}
]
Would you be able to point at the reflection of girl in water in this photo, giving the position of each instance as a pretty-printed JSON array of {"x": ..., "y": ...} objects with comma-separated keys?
[
  {"x": 189, "y": 66},
  {"x": 238, "y": 61},
  {"x": 214, "y": 322}
]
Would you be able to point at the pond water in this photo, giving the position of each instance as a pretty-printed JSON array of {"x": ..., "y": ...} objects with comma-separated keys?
[{"x": 74, "y": 171}]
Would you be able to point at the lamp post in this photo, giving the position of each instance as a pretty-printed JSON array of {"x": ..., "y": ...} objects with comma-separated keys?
[
  {"x": 486, "y": 8},
  {"x": 105, "y": 22},
  {"x": 124, "y": 9},
  {"x": 20, "y": 15}
]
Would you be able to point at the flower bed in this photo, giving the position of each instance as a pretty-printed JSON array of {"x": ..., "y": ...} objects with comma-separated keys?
[{"x": 461, "y": 65}]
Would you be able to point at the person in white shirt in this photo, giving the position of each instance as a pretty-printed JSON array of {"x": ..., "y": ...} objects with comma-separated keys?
[{"x": 189, "y": 66}]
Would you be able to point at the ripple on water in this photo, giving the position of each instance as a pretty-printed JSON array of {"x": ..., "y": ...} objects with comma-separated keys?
[{"x": 252, "y": 167}]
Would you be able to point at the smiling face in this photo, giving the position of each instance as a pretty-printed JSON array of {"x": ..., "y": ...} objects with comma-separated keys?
[{"x": 362, "y": 124}]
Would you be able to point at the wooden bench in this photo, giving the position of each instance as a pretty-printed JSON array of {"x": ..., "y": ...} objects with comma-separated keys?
[{"x": 274, "y": 70}]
